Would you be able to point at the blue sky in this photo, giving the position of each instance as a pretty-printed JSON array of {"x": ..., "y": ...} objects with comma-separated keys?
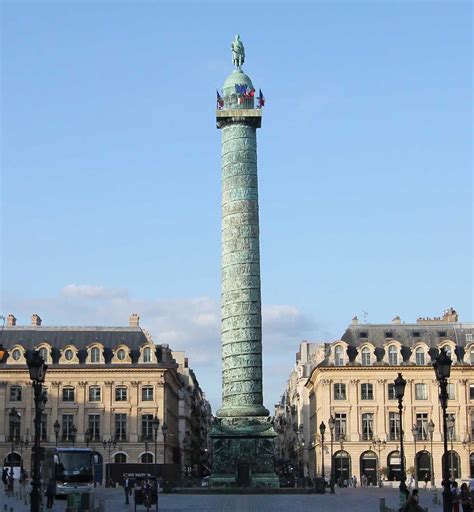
[{"x": 111, "y": 166}]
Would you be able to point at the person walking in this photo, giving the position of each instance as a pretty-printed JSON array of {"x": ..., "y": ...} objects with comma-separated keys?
[
  {"x": 455, "y": 496},
  {"x": 466, "y": 500},
  {"x": 413, "y": 502},
  {"x": 126, "y": 489},
  {"x": 50, "y": 493},
  {"x": 5, "y": 478}
]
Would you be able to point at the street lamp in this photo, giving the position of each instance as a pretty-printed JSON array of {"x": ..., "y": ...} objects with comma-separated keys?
[
  {"x": 164, "y": 431},
  {"x": 322, "y": 430},
  {"x": 332, "y": 423},
  {"x": 109, "y": 445},
  {"x": 57, "y": 428},
  {"x": 14, "y": 423},
  {"x": 431, "y": 427},
  {"x": 378, "y": 444},
  {"x": 342, "y": 437},
  {"x": 156, "y": 426},
  {"x": 442, "y": 368},
  {"x": 414, "y": 432},
  {"x": 450, "y": 424},
  {"x": 399, "y": 384},
  {"x": 37, "y": 369}
]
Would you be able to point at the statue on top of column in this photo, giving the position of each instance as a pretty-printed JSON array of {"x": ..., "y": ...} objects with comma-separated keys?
[{"x": 238, "y": 52}]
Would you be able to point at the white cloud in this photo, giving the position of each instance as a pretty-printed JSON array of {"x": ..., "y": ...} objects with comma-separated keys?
[
  {"x": 87, "y": 291},
  {"x": 189, "y": 324}
]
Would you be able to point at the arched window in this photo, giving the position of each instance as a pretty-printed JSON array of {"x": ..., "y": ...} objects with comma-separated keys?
[
  {"x": 120, "y": 458},
  {"x": 393, "y": 355},
  {"x": 338, "y": 356},
  {"x": 16, "y": 459},
  {"x": 146, "y": 458},
  {"x": 43, "y": 352},
  {"x": 420, "y": 356},
  {"x": 147, "y": 355},
  {"x": 365, "y": 356},
  {"x": 471, "y": 355},
  {"x": 95, "y": 355}
]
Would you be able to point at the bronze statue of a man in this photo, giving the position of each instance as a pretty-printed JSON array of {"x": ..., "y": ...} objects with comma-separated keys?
[{"x": 238, "y": 52}]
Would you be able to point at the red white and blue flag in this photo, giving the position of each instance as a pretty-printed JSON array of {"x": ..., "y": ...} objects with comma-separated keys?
[
  {"x": 220, "y": 100},
  {"x": 261, "y": 99}
]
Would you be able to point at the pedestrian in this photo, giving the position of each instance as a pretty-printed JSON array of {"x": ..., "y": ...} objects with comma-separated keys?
[
  {"x": 466, "y": 500},
  {"x": 426, "y": 479},
  {"x": 5, "y": 478},
  {"x": 354, "y": 479},
  {"x": 455, "y": 496},
  {"x": 50, "y": 493},
  {"x": 413, "y": 502},
  {"x": 126, "y": 489}
]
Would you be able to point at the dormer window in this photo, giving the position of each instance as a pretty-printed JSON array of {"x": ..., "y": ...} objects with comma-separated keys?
[
  {"x": 16, "y": 354},
  {"x": 147, "y": 355},
  {"x": 69, "y": 354},
  {"x": 389, "y": 334},
  {"x": 95, "y": 355},
  {"x": 338, "y": 356},
  {"x": 121, "y": 354},
  {"x": 43, "y": 352},
  {"x": 365, "y": 357},
  {"x": 392, "y": 355},
  {"x": 362, "y": 334},
  {"x": 420, "y": 356},
  {"x": 416, "y": 334},
  {"x": 442, "y": 334}
]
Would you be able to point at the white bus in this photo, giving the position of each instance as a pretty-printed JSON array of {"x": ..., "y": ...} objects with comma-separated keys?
[{"x": 71, "y": 468}]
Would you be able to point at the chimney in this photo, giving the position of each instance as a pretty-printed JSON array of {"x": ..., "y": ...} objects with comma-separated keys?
[
  {"x": 35, "y": 320},
  {"x": 355, "y": 321},
  {"x": 134, "y": 320},
  {"x": 396, "y": 320},
  {"x": 11, "y": 320}
]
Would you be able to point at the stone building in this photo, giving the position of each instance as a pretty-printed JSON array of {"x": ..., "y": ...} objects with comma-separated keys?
[
  {"x": 102, "y": 384},
  {"x": 194, "y": 422},
  {"x": 292, "y": 415},
  {"x": 352, "y": 381}
]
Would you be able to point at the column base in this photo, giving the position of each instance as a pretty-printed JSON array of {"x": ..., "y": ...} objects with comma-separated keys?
[{"x": 243, "y": 453}]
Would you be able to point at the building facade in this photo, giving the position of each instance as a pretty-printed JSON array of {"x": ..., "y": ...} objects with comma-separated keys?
[
  {"x": 352, "y": 382},
  {"x": 104, "y": 386}
]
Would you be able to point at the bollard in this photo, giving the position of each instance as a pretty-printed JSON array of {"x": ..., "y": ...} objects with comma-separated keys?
[{"x": 381, "y": 504}]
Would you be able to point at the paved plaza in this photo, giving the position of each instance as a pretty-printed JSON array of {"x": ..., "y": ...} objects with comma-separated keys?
[{"x": 356, "y": 500}]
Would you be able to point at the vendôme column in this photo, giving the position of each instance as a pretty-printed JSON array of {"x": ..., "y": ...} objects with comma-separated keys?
[{"x": 243, "y": 434}]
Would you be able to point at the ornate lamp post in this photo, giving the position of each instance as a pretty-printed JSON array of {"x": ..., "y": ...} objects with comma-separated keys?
[
  {"x": 164, "y": 431},
  {"x": 108, "y": 445},
  {"x": 378, "y": 444},
  {"x": 156, "y": 426},
  {"x": 442, "y": 368},
  {"x": 57, "y": 428},
  {"x": 431, "y": 427},
  {"x": 14, "y": 423},
  {"x": 399, "y": 385},
  {"x": 37, "y": 369},
  {"x": 332, "y": 423},
  {"x": 322, "y": 430},
  {"x": 414, "y": 432},
  {"x": 450, "y": 424}
]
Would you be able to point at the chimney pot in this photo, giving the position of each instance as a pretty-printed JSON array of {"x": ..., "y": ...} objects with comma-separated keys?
[
  {"x": 35, "y": 320},
  {"x": 134, "y": 320},
  {"x": 355, "y": 321},
  {"x": 11, "y": 320},
  {"x": 397, "y": 320}
]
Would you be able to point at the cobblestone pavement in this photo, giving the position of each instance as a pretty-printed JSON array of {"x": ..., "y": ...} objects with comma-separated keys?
[{"x": 353, "y": 500}]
